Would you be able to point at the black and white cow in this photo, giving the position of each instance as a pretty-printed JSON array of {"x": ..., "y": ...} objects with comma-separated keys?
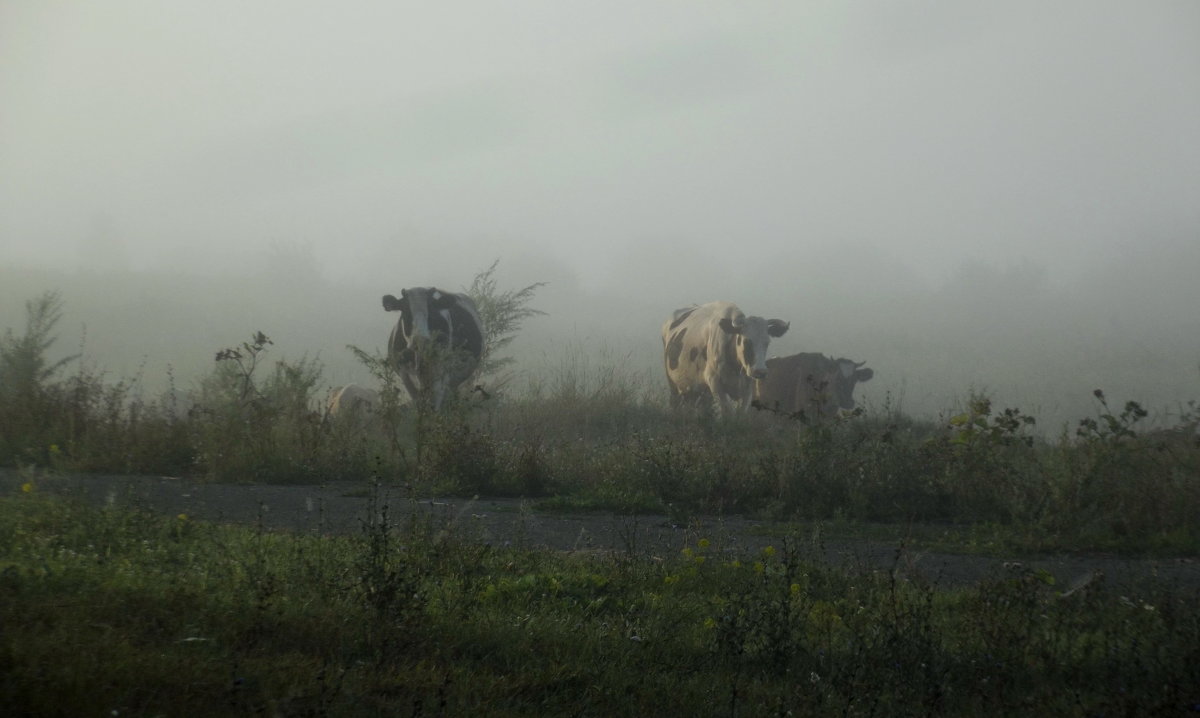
[
  {"x": 715, "y": 351},
  {"x": 437, "y": 342}
]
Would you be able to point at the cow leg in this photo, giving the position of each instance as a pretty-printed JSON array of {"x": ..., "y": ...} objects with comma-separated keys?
[
  {"x": 723, "y": 403},
  {"x": 410, "y": 386},
  {"x": 677, "y": 397},
  {"x": 729, "y": 407},
  {"x": 439, "y": 393},
  {"x": 717, "y": 390}
]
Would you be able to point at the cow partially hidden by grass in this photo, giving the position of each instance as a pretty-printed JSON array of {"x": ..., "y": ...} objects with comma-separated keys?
[
  {"x": 814, "y": 386},
  {"x": 351, "y": 400},
  {"x": 716, "y": 351},
  {"x": 437, "y": 342}
]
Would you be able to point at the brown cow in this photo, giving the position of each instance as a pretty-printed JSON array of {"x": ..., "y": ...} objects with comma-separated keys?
[
  {"x": 815, "y": 384},
  {"x": 351, "y": 398}
]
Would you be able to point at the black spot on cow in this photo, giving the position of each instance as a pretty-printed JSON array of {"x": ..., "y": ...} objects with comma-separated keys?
[
  {"x": 461, "y": 325},
  {"x": 675, "y": 348},
  {"x": 681, "y": 316}
]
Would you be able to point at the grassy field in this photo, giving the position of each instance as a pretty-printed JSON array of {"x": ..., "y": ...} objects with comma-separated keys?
[
  {"x": 114, "y": 612},
  {"x": 106, "y": 609}
]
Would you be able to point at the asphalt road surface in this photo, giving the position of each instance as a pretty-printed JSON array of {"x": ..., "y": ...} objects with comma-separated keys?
[{"x": 344, "y": 508}]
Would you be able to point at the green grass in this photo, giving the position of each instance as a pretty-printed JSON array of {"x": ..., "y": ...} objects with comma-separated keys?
[
  {"x": 106, "y": 609},
  {"x": 975, "y": 539}
]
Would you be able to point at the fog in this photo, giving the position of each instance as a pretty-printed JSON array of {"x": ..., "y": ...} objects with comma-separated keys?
[{"x": 968, "y": 196}]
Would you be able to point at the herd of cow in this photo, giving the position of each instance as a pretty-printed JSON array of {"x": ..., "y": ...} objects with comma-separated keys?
[{"x": 712, "y": 352}]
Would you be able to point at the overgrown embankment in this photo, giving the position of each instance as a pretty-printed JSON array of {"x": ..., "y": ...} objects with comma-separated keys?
[{"x": 591, "y": 437}]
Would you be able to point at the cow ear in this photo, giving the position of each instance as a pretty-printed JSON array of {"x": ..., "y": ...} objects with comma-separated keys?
[
  {"x": 864, "y": 374},
  {"x": 728, "y": 327},
  {"x": 391, "y": 304},
  {"x": 777, "y": 327}
]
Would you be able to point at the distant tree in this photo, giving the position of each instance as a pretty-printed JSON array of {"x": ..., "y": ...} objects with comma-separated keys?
[{"x": 502, "y": 313}]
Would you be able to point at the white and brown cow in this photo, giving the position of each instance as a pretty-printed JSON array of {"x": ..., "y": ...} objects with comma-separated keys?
[
  {"x": 716, "y": 351},
  {"x": 815, "y": 384},
  {"x": 437, "y": 342},
  {"x": 351, "y": 399}
]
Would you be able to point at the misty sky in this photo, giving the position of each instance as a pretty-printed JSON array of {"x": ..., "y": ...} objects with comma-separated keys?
[
  {"x": 148, "y": 134},
  {"x": 805, "y": 155}
]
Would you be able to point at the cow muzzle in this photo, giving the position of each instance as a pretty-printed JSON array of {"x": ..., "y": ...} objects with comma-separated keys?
[{"x": 758, "y": 374}]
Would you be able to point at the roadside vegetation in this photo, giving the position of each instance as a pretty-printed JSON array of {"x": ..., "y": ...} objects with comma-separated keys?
[
  {"x": 114, "y": 611},
  {"x": 590, "y": 437},
  {"x": 107, "y": 611}
]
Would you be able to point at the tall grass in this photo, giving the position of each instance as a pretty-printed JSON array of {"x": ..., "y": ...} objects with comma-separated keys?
[
  {"x": 587, "y": 434},
  {"x": 108, "y": 611},
  {"x": 81, "y": 421}
]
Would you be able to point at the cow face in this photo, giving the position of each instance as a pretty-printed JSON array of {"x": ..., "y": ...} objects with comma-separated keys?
[
  {"x": 846, "y": 376},
  {"x": 752, "y": 338},
  {"x": 427, "y": 315}
]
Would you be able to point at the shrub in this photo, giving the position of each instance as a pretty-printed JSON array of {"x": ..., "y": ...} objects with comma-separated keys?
[
  {"x": 251, "y": 429},
  {"x": 29, "y": 402}
]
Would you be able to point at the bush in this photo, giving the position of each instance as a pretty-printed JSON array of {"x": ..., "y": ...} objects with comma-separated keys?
[{"x": 30, "y": 403}]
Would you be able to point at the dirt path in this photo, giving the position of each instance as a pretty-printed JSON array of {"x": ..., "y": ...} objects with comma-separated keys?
[{"x": 342, "y": 508}]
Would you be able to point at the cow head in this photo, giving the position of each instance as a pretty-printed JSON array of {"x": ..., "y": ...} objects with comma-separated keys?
[
  {"x": 847, "y": 374},
  {"x": 752, "y": 338},
  {"x": 422, "y": 312}
]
